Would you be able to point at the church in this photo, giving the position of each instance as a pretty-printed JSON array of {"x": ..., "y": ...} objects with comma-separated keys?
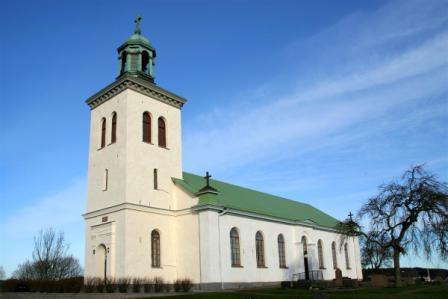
[{"x": 146, "y": 217}]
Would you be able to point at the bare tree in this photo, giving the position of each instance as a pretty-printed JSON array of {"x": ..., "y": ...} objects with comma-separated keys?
[
  {"x": 50, "y": 259},
  {"x": 2, "y": 273},
  {"x": 409, "y": 214},
  {"x": 374, "y": 256}
]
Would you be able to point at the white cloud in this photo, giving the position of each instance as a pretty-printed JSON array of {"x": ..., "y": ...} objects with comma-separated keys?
[
  {"x": 323, "y": 114},
  {"x": 60, "y": 210}
]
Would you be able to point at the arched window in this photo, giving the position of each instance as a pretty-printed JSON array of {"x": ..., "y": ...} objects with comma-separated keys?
[
  {"x": 103, "y": 132},
  {"x": 347, "y": 261},
  {"x": 305, "y": 246},
  {"x": 113, "y": 136},
  {"x": 320, "y": 254},
  {"x": 146, "y": 127},
  {"x": 281, "y": 251},
  {"x": 145, "y": 62},
  {"x": 155, "y": 249},
  {"x": 162, "y": 132},
  {"x": 235, "y": 247},
  {"x": 259, "y": 248},
  {"x": 333, "y": 253},
  {"x": 156, "y": 182}
]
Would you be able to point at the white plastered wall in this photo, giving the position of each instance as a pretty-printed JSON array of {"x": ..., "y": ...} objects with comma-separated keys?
[{"x": 215, "y": 250}]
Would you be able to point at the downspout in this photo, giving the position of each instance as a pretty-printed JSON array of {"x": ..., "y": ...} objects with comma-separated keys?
[{"x": 223, "y": 212}]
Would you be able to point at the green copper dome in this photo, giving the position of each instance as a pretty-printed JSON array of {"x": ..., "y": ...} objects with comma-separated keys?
[
  {"x": 137, "y": 56},
  {"x": 138, "y": 38}
]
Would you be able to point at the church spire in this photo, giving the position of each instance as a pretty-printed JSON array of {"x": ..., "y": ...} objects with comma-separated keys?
[{"x": 136, "y": 55}]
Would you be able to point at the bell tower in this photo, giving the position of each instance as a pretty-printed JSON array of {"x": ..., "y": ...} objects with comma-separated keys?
[
  {"x": 135, "y": 135},
  {"x": 136, "y": 56}
]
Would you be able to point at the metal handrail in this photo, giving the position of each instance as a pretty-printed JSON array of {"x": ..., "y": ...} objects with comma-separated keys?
[{"x": 313, "y": 275}]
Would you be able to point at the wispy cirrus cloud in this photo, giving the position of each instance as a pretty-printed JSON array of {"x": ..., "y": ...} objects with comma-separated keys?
[
  {"x": 336, "y": 111},
  {"x": 61, "y": 210}
]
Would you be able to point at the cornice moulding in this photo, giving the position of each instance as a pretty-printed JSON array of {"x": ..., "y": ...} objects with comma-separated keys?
[{"x": 139, "y": 85}]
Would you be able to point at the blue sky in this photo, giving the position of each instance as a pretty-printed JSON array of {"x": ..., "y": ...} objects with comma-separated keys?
[{"x": 319, "y": 101}]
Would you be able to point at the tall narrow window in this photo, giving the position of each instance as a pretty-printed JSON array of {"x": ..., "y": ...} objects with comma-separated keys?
[
  {"x": 305, "y": 246},
  {"x": 281, "y": 251},
  {"x": 162, "y": 132},
  {"x": 113, "y": 136},
  {"x": 145, "y": 62},
  {"x": 320, "y": 254},
  {"x": 347, "y": 261},
  {"x": 259, "y": 248},
  {"x": 105, "y": 179},
  {"x": 235, "y": 248},
  {"x": 155, "y": 249},
  {"x": 156, "y": 183},
  {"x": 103, "y": 133},
  {"x": 333, "y": 253},
  {"x": 146, "y": 127}
]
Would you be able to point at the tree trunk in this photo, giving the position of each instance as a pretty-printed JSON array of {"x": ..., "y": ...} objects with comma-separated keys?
[{"x": 397, "y": 268}]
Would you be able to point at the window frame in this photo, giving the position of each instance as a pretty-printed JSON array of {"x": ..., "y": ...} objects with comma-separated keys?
[
  {"x": 259, "y": 250},
  {"x": 113, "y": 133},
  {"x": 156, "y": 260},
  {"x": 281, "y": 251},
  {"x": 334, "y": 255},
  {"x": 147, "y": 127},
  {"x": 235, "y": 254},
  {"x": 161, "y": 132}
]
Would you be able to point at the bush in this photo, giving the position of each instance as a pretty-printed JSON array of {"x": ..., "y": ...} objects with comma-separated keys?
[
  {"x": 167, "y": 287},
  {"x": 137, "y": 285},
  {"x": 89, "y": 284},
  {"x": 158, "y": 284},
  {"x": 187, "y": 284},
  {"x": 16, "y": 285},
  {"x": 148, "y": 285},
  {"x": 72, "y": 285},
  {"x": 177, "y": 285},
  {"x": 123, "y": 284},
  {"x": 110, "y": 284}
]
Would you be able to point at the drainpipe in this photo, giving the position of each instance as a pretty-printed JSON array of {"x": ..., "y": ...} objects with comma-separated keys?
[{"x": 222, "y": 213}]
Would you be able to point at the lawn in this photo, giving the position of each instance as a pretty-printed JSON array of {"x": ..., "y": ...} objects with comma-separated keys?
[{"x": 410, "y": 292}]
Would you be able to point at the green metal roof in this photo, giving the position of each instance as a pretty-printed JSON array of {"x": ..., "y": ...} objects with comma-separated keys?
[{"x": 247, "y": 200}]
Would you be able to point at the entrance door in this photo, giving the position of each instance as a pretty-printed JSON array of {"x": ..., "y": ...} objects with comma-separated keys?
[
  {"x": 101, "y": 261},
  {"x": 305, "y": 258}
]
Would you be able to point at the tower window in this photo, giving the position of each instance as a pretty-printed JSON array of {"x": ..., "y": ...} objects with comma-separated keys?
[
  {"x": 147, "y": 127},
  {"x": 113, "y": 137},
  {"x": 105, "y": 179},
  {"x": 156, "y": 185},
  {"x": 162, "y": 132},
  {"x": 145, "y": 62},
  {"x": 103, "y": 133},
  {"x": 123, "y": 62}
]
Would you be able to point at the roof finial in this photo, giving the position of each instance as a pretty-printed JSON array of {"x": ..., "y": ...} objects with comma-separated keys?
[{"x": 137, "y": 25}]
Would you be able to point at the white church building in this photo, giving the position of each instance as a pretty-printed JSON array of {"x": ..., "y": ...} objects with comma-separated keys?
[{"x": 146, "y": 217}]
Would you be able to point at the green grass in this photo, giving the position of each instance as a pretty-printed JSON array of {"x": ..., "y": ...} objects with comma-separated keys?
[{"x": 409, "y": 292}]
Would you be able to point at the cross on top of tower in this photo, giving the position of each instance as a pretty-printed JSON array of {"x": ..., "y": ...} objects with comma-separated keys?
[{"x": 137, "y": 25}]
